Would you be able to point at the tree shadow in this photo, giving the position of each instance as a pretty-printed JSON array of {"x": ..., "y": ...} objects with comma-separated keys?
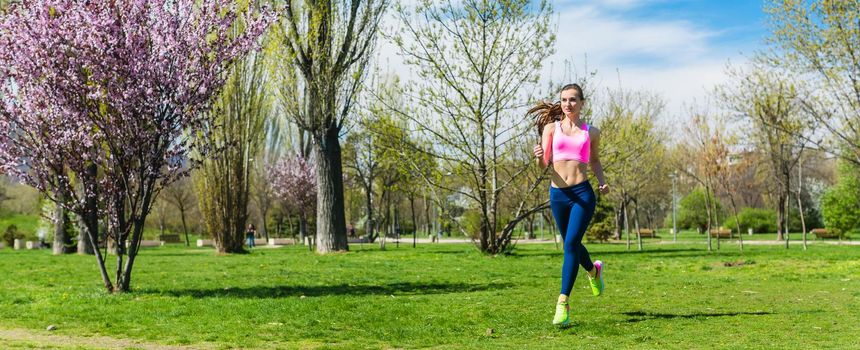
[
  {"x": 267, "y": 292},
  {"x": 520, "y": 254},
  {"x": 661, "y": 253},
  {"x": 639, "y": 316}
]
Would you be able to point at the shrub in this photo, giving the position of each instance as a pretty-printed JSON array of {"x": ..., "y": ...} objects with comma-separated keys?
[
  {"x": 840, "y": 204},
  {"x": 11, "y": 234},
  {"x": 471, "y": 222},
  {"x": 603, "y": 223},
  {"x": 760, "y": 220},
  {"x": 600, "y": 231},
  {"x": 692, "y": 211}
]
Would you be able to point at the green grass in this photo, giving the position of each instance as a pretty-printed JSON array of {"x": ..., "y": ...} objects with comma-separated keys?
[
  {"x": 691, "y": 236},
  {"x": 447, "y": 296}
]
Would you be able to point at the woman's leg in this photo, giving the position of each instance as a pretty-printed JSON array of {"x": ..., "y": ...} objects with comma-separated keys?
[
  {"x": 561, "y": 206},
  {"x": 581, "y": 211}
]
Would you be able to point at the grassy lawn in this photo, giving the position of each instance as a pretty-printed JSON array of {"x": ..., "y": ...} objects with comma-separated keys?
[{"x": 447, "y": 296}]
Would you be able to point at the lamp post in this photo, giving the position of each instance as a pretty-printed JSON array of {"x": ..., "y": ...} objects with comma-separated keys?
[{"x": 674, "y": 175}]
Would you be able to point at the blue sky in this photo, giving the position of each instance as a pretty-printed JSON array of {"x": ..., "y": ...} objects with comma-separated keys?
[
  {"x": 676, "y": 48},
  {"x": 727, "y": 27}
]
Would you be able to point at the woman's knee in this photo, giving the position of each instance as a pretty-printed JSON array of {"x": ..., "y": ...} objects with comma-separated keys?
[{"x": 573, "y": 247}]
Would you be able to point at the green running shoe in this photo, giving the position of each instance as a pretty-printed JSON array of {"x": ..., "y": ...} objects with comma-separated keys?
[
  {"x": 597, "y": 282},
  {"x": 562, "y": 314}
]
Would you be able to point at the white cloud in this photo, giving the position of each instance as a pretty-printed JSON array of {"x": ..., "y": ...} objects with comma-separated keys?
[
  {"x": 609, "y": 38},
  {"x": 674, "y": 58}
]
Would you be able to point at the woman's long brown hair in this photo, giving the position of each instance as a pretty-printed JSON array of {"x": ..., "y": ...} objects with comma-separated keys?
[{"x": 545, "y": 113}]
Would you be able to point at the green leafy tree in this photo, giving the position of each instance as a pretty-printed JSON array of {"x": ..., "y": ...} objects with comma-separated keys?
[
  {"x": 235, "y": 126},
  {"x": 327, "y": 46},
  {"x": 818, "y": 41},
  {"x": 632, "y": 153},
  {"x": 841, "y": 203},
  {"x": 476, "y": 61},
  {"x": 766, "y": 100}
]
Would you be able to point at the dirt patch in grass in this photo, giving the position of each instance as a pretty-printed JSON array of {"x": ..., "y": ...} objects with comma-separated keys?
[{"x": 46, "y": 340}]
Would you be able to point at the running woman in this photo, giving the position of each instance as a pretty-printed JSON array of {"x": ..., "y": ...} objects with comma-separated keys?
[{"x": 570, "y": 145}]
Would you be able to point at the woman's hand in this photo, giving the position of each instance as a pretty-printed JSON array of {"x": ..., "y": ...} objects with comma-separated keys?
[
  {"x": 604, "y": 189},
  {"x": 538, "y": 150}
]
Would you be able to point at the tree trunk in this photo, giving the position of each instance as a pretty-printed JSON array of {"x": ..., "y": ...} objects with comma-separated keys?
[
  {"x": 708, "y": 221},
  {"x": 780, "y": 217},
  {"x": 184, "y": 227},
  {"x": 89, "y": 222},
  {"x": 85, "y": 243},
  {"x": 62, "y": 240},
  {"x": 636, "y": 223},
  {"x": 368, "y": 202},
  {"x": 799, "y": 202},
  {"x": 618, "y": 215},
  {"x": 303, "y": 231},
  {"x": 331, "y": 222},
  {"x": 626, "y": 220},
  {"x": 716, "y": 219},
  {"x": 737, "y": 223},
  {"x": 414, "y": 219},
  {"x": 787, "y": 218},
  {"x": 426, "y": 215},
  {"x": 265, "y": 213},
  {"x": 90, "y": 236}
]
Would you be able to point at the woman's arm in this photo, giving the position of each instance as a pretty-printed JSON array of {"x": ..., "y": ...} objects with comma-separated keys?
[
  {"x": 596, "y": 167},
  {"x": 544, "y": 151}
]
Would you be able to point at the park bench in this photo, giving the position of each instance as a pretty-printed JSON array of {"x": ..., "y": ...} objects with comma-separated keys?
[
  {"x": 281, "y": 241},
  {"x": 721, "y": 232},
  {"x": 205, "y": 243},
  {"x": 144, "y": 243},
  {"x": 824, "y": 233},
  {"x": 361, "y": 239},
  {"x": 647, "y": 233}
]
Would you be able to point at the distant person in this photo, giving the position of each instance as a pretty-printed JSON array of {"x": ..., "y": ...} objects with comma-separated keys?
[
  {"x": 250, "y": 235},
  {"x": 569, "y": 146},
  {"x": 351, "y": 230}
]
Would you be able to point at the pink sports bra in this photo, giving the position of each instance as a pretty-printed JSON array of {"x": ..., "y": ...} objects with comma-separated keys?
[{"x": 577, "y": 147}]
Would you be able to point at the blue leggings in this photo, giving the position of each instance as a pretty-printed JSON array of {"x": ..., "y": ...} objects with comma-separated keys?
[{"x": 573, "y": 208}]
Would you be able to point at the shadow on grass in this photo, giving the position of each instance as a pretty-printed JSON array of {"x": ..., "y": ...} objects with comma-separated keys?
[
  {"x": 639, "y": 316},
  {"x": 659, "y": 251},
  {"x": 261, "y": 292},
  {"x": 662, "y": 253}
]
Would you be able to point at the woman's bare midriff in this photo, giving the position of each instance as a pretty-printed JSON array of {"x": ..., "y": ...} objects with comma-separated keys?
[{"x": 568, "y": 173}]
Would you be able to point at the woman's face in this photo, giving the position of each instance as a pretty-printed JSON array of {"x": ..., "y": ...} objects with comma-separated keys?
[{"x": 571, "y": 102}]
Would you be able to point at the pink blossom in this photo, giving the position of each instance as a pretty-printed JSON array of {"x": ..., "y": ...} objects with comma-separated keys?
[
  {"x": 293, "y": 181},
  {"x": 120, "y": 85}
]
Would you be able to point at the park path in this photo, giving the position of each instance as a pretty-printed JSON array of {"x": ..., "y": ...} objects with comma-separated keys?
[{"x": 26, "y": 338}]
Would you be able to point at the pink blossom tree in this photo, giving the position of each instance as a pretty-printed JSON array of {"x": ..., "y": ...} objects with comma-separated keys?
[
  {"x": 294, "y": 185},
  {"x": 100, "y": 99}
]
